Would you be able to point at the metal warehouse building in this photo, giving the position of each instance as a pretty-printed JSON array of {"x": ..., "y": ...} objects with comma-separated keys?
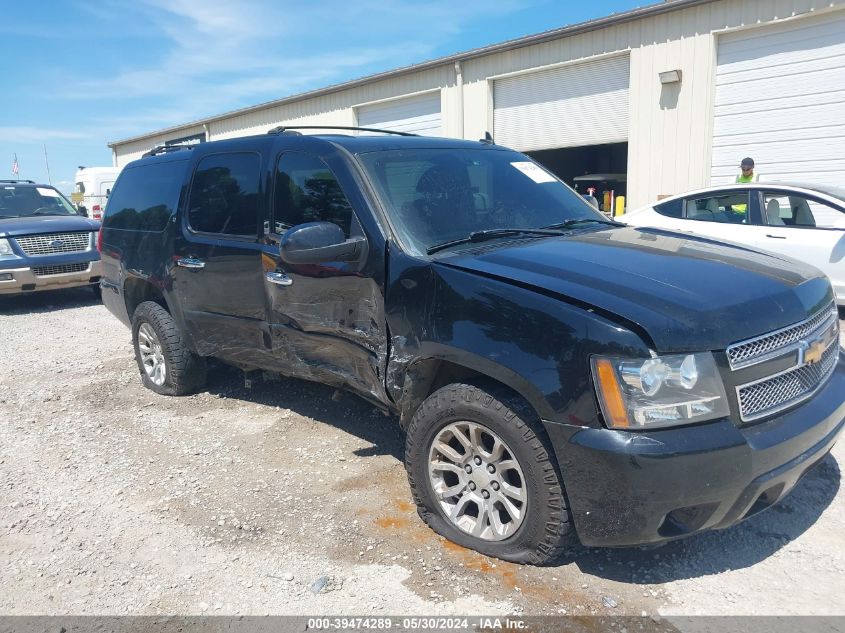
[{"x": 668, "y": 97}]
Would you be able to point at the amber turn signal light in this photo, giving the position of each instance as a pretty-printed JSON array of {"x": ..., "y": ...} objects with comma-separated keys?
[{"x": 611, "y": 394}]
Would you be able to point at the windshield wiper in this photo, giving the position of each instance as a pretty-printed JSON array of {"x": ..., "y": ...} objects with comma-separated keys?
[
  {"x": 42, "y": 213},
  {"x": 490, "y": 234},
  {"x": 570, "y": 223}
]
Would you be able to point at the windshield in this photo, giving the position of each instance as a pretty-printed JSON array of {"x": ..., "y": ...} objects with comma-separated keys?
[
  {"x": 437, "y": 195},
  {"x": 25, "y": 201}
]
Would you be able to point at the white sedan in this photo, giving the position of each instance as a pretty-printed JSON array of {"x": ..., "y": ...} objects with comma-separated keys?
[{"x": 805, "y": 222}]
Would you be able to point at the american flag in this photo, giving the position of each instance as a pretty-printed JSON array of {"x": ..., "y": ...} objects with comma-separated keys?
[{"x": 15, "y": 169}]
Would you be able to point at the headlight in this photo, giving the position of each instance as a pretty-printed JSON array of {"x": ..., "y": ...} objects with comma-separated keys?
[
  {"x": 660, "y": 391},
  {"x": 5, "y": 247}
]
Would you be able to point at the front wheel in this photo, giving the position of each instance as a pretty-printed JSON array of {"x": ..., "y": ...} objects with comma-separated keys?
[
  {"x": 483, "y": 475},
  {"x": 166, "y": 364}
]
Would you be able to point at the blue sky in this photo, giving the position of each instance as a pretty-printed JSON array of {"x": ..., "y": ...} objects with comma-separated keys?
[{"x": 79, "y": 74}]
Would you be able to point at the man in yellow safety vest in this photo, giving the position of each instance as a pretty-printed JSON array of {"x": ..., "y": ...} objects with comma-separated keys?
[
  {"x": 747, "y": 175},
  {"x": 747, "y": 169}
]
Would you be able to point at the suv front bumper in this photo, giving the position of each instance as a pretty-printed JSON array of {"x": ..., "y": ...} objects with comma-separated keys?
[
  {"x": 634, "y": 488},
  {"x": 21, "y": 280}
]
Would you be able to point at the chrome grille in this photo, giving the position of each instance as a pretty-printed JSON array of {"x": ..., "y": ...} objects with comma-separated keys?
[
  {"x": 776, "y": 343},
  {"x": 43, "y": 271},
  {"x": 773, "y": 394},
  {"x": 50, "y": 243}
]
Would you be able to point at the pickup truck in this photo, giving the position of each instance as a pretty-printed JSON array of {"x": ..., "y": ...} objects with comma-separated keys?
[{"x": 557, "y": 375}]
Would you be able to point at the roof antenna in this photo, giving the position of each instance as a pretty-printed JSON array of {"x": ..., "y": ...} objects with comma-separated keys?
[{"x": 488, "y": 139}]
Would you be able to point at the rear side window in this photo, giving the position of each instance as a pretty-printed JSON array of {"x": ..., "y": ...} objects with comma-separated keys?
[
  {"x": 224, "y": 194},
  {"x": 729, "y": 208},
  {"x": 145, "y": 197},
  {"x": 671, "y": 208}
]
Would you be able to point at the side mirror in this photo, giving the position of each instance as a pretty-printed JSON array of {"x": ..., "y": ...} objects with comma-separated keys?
[
  {"x": 82, "y": 211},
  {"x": 320, "y": 242}
]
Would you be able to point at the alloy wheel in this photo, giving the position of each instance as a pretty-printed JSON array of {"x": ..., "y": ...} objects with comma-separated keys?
[
  {"x": 477, "y": 481},
  {"x": 152, "y": 357}
]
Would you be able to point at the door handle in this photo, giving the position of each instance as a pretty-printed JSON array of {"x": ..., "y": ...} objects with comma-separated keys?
[
  {"x": 776, "y": 237},
  {"x": 190, "y": 262},
  {"x": 280, "y": 279}
]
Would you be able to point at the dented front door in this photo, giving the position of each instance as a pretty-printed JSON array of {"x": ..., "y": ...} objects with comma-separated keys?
[{"x": 326, "y": 321}]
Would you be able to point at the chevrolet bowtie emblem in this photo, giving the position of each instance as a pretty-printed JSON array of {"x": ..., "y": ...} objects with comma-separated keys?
[{"x": 810, "y": 352}]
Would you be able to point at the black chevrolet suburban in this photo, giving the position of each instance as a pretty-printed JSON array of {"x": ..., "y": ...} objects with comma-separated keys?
[{"x": 556, "y": 374}]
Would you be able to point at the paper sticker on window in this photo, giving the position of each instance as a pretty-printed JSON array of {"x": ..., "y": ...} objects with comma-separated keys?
[
  {"x": 534, "y": 172},
  {"x": 47, "y": 193}
]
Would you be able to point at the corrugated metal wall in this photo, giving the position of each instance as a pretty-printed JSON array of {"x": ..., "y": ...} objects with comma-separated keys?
[
  {"x": 670, "y": 130},
  {"x": 332, "y": 109},
  {"x": 128, "y": 152}
]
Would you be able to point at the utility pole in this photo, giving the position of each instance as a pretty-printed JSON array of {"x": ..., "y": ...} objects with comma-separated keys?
[{"x": 50, "y": 180}]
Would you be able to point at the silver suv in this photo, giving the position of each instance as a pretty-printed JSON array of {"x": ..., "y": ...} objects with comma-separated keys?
[{"x": 44, "y": 243}]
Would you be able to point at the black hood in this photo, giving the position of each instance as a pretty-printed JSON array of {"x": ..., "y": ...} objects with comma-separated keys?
[{"x": 686, "y": 293}]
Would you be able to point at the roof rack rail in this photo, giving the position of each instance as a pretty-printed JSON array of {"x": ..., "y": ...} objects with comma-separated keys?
[
  {"x": 31, "y": 182},
  {"x": 166, "y": 149},
  {"x": 283, "y": 129}
]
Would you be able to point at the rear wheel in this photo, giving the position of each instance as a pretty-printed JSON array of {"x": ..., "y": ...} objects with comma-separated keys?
[
  {"x": 483, "y": 475},
  {"x": 167, "y": 366}
]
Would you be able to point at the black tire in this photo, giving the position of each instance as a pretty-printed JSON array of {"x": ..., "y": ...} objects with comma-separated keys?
[
  {"x": 98, "y": 292},
  {"x": 546, "y": 529},
  {"x": 184, "y": 370}
]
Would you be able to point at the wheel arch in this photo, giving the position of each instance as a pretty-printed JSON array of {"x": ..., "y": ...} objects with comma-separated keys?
[
  {"x": 424, "y": 376},
  {"x": 136, "y": 290}
]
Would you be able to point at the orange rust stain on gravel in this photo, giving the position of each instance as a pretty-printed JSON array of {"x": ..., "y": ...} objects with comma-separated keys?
[
  {"x": 392, "y": 522},
  {"x": 404, "y": 506},
  {"x": 406, "y": 519},
  {"x": 508, "y": 573}
]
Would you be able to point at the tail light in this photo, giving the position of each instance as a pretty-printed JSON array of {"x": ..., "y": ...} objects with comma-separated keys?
[
  {"x": 100, "y": 241},
  {"x": 96, "y": 211}
]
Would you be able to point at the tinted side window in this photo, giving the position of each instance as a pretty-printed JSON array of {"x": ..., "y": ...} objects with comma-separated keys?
[
  {"x": 671, "y": 209},
  {"x": 307, "y": 191},
  {"x": 145, "y": 197},
  {"x": 729, "y": 208},
  {"x": 224, "y": 194}
]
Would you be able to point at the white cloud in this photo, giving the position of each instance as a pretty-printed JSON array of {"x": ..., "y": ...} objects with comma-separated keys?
[
  {"x": 250, "y": 50},
  {"x": 213, "y": 56},
  {"x": 27, "y": 134}
]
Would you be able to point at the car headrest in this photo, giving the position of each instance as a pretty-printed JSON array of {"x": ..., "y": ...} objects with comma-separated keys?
[
  {"x": 773, "y": 213},
  {"x": 440, "y": 179}
]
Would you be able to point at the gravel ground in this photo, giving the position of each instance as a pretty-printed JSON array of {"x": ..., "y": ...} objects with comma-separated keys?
[{"x": 284, "y": 499}]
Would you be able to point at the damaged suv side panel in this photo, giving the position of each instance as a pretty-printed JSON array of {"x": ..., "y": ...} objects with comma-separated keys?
[{"x": 535, "y": 344}]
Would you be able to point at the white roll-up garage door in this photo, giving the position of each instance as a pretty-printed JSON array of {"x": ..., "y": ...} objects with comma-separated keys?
[
  {"x": 570, "y": 106},
  {"x": 419, "y": 114},
  {"x": 780, "y": 99}
]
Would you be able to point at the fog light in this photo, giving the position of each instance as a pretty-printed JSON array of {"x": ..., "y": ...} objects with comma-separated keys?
[{"x": 6, "y": 277}]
